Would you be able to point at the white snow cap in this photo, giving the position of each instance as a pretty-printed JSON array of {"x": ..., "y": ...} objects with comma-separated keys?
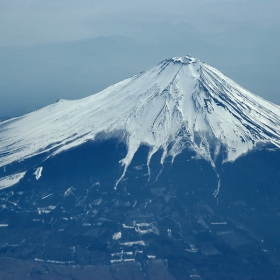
[
  {"x": 185, "y": 59},
  {"x": 182, "y": 102}
]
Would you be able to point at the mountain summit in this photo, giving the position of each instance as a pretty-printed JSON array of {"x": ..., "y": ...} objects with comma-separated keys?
[{"x": 182, "y": 102}]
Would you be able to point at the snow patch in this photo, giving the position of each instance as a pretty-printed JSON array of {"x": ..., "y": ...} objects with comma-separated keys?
[
  {"x": 192, "y": 249},
  {"x": 11, "y": 180},
  {"x": 169, "y": 232},
  {"x": 125, "y": 226},
  {"x": 46, "y": 210},
  {"x": 117, "y": 235},
  {"x": 69, "y": 191},
  {"x": 141, "y": 242},
  {"x": 151, "y": 257},
  {"x": 38, "y": 173}
]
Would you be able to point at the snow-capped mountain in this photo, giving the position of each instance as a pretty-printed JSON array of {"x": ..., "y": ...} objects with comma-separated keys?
[
  {"x": 122, "y": 182},
  {"x": 181, "y": 102}
]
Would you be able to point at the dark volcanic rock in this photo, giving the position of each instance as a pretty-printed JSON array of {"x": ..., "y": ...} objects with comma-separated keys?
[{"x": 72, "y": 222}]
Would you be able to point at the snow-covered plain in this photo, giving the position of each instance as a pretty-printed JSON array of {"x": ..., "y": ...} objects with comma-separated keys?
[{"x": 178, "y": 103}]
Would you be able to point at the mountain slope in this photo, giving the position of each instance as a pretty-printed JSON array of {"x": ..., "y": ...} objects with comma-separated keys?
[
  {"x": 172, "y": 127},
  {"x": 181, "y": 102}
]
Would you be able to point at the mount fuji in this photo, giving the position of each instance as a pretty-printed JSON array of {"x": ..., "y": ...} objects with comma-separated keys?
[{"x": 171, "y": 173}]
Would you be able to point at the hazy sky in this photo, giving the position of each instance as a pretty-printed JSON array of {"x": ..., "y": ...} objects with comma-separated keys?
[
  {"x": 52, "y": 49},
  {"x": 26, "y": 22}
]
